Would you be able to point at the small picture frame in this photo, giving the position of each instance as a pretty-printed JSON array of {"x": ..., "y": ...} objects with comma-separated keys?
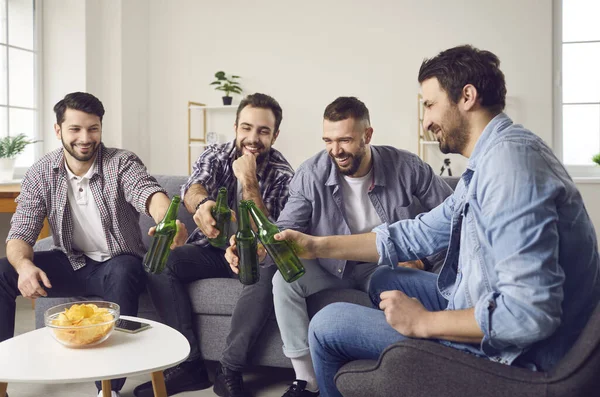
[{"x": 212, "y": 138}]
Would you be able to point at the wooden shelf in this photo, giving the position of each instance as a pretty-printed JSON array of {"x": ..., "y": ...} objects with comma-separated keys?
[{"x": 201, "y": 142}]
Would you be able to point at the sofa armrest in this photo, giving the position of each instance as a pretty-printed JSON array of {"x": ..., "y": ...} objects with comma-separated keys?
[
  {"x": 415, "y": 368},
  {"x": 44, "y": 244}
]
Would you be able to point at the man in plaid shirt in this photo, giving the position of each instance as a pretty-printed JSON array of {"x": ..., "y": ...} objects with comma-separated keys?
[
  {"x": 250, "y": 169},
  {"x": 92, "y": 196}
]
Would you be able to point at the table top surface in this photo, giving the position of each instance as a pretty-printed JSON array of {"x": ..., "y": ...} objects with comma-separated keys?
[
  {"x": 10, "y": 190},
  {"x": 36, "y": 357}
]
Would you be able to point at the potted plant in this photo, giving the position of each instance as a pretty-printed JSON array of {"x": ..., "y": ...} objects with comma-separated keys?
[
  {"x": 596, "y": 159},
  {"x": 10, "y": 148},
  {"x": 227, "y": 84}
]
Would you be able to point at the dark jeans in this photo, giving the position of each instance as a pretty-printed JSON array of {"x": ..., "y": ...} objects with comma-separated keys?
[
  {"x": 120, "y": 280},
  {"x": 170, "y": 297}
]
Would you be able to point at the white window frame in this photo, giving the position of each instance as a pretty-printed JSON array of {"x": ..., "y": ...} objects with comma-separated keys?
[
  {"x": 38, "y": 148},
  {"x": 580, "y": 173}
]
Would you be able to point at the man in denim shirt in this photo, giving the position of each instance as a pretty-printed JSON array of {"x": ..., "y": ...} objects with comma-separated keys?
[
  {"x": 349, "y": 188},
  {"x": 520, "y": 278}
]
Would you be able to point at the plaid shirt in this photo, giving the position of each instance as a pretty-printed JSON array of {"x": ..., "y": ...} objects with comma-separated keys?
[
  {"x": 119, "y": 184},
  {"x": 214, "y": 169}
]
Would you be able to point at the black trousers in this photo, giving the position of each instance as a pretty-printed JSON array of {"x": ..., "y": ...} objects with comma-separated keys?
[
  {"x": 172, "y": 302},
  {"x": 120, "y": 280}
]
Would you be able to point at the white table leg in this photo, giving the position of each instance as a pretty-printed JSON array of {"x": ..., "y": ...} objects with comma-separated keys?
[
  {"x": 158, "y": 384},
  {"x": 106, "y": 388},
  {"x": 3, "y": 387}
]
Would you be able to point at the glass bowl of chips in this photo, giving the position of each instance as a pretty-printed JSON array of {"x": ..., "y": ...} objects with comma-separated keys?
[{"x": 82, "y": 324}]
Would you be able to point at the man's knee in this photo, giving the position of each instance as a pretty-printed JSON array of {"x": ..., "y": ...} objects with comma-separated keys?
[
  {"x": 327, "y": 322},
  {"x": 7, "y": 272},
  {"x": 282, "y": 288},
  {"x": 126, "y": 272},
  {"x": 181, "y": 258},
  {"x": 379, "y": 283}
]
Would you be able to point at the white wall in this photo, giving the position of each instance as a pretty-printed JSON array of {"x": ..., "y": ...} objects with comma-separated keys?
[
  {"x": 307, "y": 53},
  {"x": 104, "y": 64},
  {"x": 63, "y": 58},
  {"x": 135, "y": 65}
]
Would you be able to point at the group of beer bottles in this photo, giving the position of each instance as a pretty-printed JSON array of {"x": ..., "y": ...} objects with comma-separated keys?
[{"x": 246, "y": 240}]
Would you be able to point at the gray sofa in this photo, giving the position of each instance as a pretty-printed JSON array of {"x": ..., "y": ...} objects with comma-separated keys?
[{"x": 213, "y": 300}]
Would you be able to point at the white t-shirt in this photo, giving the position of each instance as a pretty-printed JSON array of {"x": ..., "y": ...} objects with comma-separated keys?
[
  {"x": 360, "y": 213},
  {"x": 88, "y": 234}
]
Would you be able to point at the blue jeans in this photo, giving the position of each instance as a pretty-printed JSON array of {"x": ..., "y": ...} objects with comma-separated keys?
[
  {"x": 344, "y": 332},
  {"x": 120, "y": 279}
]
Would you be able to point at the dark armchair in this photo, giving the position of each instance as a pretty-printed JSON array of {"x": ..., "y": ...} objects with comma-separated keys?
[{"x": 418, "y": 368}]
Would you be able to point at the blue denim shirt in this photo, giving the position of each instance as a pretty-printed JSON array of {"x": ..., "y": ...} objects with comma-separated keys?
[
  {"x": 403, "y": 186},
  {"x": 521, "y": 248}
]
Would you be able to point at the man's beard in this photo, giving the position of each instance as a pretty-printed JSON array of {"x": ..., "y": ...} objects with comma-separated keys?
[
  {"x": 262, "y": 155},
  {"x": 69, "y": 148},
  {"x": 355, "y": 161},
  {"x": 456, "y": 137}
]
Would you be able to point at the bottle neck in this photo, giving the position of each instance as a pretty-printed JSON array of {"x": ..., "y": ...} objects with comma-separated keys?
[
  {"x": 222, "y": 199},
  {"x": 260, "y": 219},
  {"x": 243, "y": 218},
  {"x": 173, "y": 209}
]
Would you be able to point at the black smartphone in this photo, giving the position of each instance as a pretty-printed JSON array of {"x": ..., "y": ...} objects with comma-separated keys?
[{"x": 132, "y": 327}]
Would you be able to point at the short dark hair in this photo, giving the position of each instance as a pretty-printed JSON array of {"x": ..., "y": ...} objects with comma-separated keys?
[
  {"x": 456, "y": 67},
  {"x": 81, "y": 101},
  {"x": 261, "y": 101},
  {"x": 346, "y": 107}
]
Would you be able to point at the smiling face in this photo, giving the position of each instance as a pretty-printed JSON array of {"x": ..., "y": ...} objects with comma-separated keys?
[
  {"x": 255, "y": 132},
  {"x": 80, "y": 134},
  {"x": 443, "y": 118},
  {"x": 346, "y": 143}
]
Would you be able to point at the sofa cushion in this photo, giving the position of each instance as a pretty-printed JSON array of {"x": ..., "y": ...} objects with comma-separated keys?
[
  {"x": 214, "y": 295},
  {"x": 218, "y": 296}
]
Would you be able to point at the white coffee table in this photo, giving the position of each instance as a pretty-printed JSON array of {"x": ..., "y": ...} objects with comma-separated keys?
[{"x": 35, "y": 357}]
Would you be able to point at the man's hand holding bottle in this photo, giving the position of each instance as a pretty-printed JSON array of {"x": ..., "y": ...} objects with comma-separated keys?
[{"x": 304, "y": 246}]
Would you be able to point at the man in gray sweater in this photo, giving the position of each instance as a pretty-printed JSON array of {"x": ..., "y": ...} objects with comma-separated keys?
[{"x": 348, "y": 188}]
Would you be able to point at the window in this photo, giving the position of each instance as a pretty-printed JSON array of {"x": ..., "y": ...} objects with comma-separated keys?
[
  {"x": 577, "y": 96},
  {"x": 19, "y": 74}
]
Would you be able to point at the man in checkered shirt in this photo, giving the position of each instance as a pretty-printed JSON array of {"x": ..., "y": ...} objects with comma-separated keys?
[
  {"x": 92, "y": 196},
  {"x": 250, "y": 169}
]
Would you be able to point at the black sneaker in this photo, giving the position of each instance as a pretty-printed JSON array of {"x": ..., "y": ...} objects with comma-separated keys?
[
  {"x": 298, "y": 389},
  {"x": 229, "y": 383},
  {"x": 187, "y": 376}
]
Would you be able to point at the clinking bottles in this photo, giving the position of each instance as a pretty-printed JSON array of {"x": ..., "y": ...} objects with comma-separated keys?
[
  {"x": 155, "y": 259},
  {"x": 246, "y": 247},
  {"x": 280, "y": 251},
  {"x": 222, "y": 215}
]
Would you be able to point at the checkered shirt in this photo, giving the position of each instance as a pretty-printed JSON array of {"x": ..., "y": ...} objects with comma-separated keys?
[
  {"x": 120, "y": 185},
  {"x": 214, "y": 169}
]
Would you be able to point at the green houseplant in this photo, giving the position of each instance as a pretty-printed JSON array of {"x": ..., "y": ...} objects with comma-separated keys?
[
  {"x": 10, "y": 148},
  {"x": 596, "y": 159},
  {"x": 227, "y": 85}
]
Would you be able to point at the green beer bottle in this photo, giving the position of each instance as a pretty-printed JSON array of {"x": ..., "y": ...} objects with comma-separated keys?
[
  {"x": 280, "y": 251},
  {"x": 222, "y": 215},
  {"x": 155, "y": 259},
  {"x": 246, "y": 247}
]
